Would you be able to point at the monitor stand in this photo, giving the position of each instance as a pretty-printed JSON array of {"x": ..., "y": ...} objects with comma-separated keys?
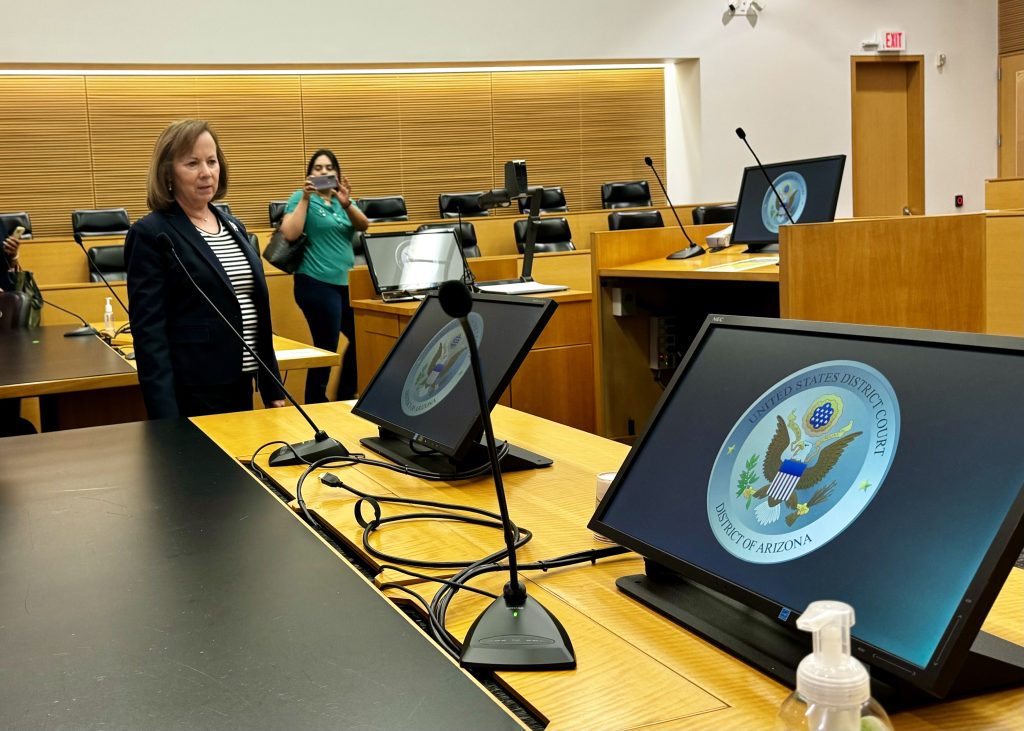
[
  {"x": 401, "y": 451},
  {"x": 761, "y": 249},
  {"x": 776, "y": 650}
]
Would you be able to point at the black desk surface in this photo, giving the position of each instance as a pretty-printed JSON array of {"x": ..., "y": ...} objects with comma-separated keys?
[
  {"x": 147, "y": 582},
  {"x": 44, "y": 354}
]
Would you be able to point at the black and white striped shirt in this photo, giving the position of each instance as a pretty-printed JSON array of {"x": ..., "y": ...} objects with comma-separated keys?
[{"x": 231, "y": 257}]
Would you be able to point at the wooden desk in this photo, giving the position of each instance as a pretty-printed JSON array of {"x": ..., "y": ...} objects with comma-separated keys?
[
  {"x": 630, "y": 268},
  {"x": 556, "y": 378},
  {"x": 635, "y": 668},
  {"x": 147, "y": 581},
  {"x": 83, "y": 382}
]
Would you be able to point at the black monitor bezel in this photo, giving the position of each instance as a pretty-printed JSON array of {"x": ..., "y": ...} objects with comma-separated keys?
[
  {"x": 943, "y": 667},
  {"x": 745, "y": 195},
  {"x": 474, "y": 430},
  {"x": 367, "y": 238}
]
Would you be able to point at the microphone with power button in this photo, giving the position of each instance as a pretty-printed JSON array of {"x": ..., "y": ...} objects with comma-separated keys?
[
  {"x": 516, "y": 632},
  {"x": 321, "y": 445},
  {"x": 694, "y": 249},
  {"x": 743, "y": 136}
]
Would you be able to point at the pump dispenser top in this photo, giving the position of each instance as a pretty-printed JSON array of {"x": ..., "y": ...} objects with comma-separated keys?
[{"x": 833, "y": 689}]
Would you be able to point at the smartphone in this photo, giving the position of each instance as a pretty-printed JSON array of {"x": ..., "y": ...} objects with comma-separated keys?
[{"x": 324, "y": 182}]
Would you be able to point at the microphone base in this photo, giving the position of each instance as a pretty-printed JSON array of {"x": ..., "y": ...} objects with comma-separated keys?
[
  {"x": 510, "y": 637},
  {"x": 79, "y": 332},
  {"x": 311, "y": 451},
  {"x": 398, "y": 450},
  {"x": 688, "y": 253}
]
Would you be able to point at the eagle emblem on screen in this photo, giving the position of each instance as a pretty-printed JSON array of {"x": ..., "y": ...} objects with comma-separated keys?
[
  {"x": 439, "y": 367},
  {"x": 803, "y": 462}
]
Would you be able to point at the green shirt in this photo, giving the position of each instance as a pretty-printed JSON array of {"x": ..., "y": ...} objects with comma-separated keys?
[{"x": 328, "y": 231}]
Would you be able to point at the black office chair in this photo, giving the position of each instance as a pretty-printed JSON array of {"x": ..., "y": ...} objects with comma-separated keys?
[
  {"x": 276, "y": 212},
  {"x": 359, "y": 248},
  {"x": 553, "y": 234},
  {"x": 15, "y": 308},
  {"x": 10, "y": 221},
  {"x": 468, "y": 203},
  {"x": 110, "y": 261},
  {"x": 467, "y": 235},
  {"x": 254, "y": 242},
  {"x": 626, "y": 220},
  {"x": 223, "y": 208},
  {"x": 630, "y": 194},
  {"x": 714, "y": 214},
  {"x": 386, "y": 208},
  {"x": 100, "y": 221},
  {"x": 551, "y": 201}
]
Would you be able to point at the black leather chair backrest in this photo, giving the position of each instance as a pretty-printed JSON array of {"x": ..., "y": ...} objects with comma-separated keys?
[
  {"x": 467, "y": 235},
  {"x": 223, "y": 207},
  {"x": 10, "y": 221},
  {"x": 628, "y": 194},
  {"x": 553, "y": 234},
  {"x": 276, "y": 212},
  {"x": 254, "y": 242},
  {"x": 359, "y": 247},
  {"x": 714, "y": 214},
  {"x": 15, "y": 308},
  {"x": 386, "y": 208},
  {"x": 625, "y": 220},
  {"x": 469, "y": 203},
  {"x": 110, "y": 261},
  {"x": 552, "y": 201},
  {"x": 100, "y": 221}
]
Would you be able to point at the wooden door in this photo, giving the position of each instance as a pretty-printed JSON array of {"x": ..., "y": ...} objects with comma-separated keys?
[
  {"x": 1011, "y": 116},
  {"x": 887, "y": 105}
]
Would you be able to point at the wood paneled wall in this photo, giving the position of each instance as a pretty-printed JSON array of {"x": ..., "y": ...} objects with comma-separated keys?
[
  {"x": 1011, "y": 26},
  {"x": 71, "y": 142}
]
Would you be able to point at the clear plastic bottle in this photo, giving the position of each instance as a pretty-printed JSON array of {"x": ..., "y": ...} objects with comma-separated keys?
[
  {"x": 108, "y": 318},
  {"x": 833, "y": 689}
]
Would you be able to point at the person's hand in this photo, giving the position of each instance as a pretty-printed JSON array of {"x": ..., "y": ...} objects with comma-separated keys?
[
  {"x": 307, "y": 190},
  {"x": 280, "y": 403},
  {"x": 11, "y": 245},
  {"x": 343, "y": 192}
]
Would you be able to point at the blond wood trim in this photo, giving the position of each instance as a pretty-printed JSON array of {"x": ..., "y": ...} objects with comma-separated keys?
[
  {"x": 914, "y": 266},
  {"x": 1004, "y": 194},
  {"x": 1004, "y": 275},
  {"x": 1011, "y": 26},
  {"x": 414, "y": 134}
]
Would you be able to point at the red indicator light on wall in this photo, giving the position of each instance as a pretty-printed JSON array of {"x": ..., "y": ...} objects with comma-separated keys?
[{"x": 958, "y": 200}]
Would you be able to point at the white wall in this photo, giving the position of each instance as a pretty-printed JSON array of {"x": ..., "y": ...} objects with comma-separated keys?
[{"x": 785, "y": 80}]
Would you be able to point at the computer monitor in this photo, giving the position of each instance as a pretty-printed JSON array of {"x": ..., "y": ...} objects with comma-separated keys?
[
  {"x": 423, "y": 397},
  {"x": 809, "y": 188},
  {"x": 793, "y": 461},
  {"x": 414, "y": 261}
]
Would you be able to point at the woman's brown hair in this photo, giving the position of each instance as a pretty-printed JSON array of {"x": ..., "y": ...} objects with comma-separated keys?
[{"x": 177, "y": 140}]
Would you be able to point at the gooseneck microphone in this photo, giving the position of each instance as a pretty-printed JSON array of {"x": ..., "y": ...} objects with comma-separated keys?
[
  {"x": 85, "y": 329},
  {"x": 321, "y": 445},
  {"x": 694, "y": 249},
  {"x": 516, "y": 632},
  {"x": 743, "y": 136},
  {"x": 92, "y": 265}
]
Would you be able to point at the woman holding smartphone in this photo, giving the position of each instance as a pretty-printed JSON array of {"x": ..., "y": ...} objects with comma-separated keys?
[{"x": 323, "y": 210}]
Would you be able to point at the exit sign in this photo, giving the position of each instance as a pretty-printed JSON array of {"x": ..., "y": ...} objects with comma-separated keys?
[{"x": 892, "y": 40}]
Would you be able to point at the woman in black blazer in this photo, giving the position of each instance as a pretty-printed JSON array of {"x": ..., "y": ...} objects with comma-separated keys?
[{"x": 190, "y": 363}]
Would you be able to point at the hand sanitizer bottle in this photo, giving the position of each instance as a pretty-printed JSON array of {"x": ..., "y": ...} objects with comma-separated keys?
[
  {"x": 108, "y": 318},
  {"x": 833, "y": 690}
]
